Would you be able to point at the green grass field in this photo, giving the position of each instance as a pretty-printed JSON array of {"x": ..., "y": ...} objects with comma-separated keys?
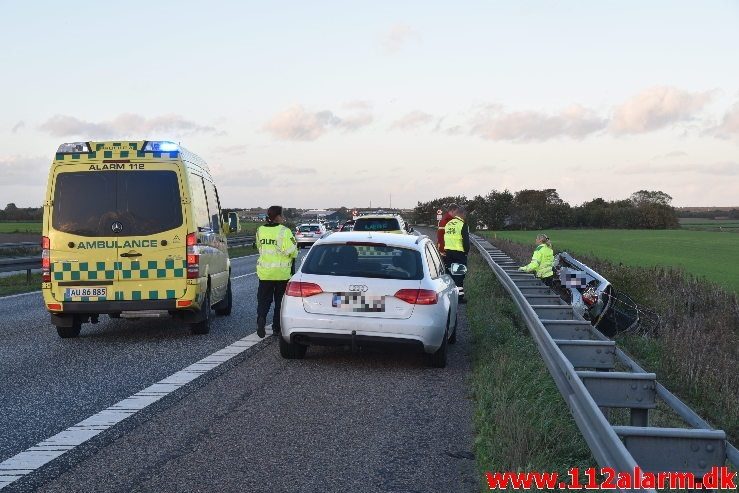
[
  {"x": 20, "y": 227},
  {"x": 704, "y": 254},
  {"x": 727, "y": 225}
]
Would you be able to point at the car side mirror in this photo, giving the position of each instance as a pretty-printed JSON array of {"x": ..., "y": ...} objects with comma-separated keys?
[{"x": 458, "y": 269}]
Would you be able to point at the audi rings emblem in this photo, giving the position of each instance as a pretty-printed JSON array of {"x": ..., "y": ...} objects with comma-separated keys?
[
  {"x": 116, "y": 227},
  {"x": 358, "y": 287}
]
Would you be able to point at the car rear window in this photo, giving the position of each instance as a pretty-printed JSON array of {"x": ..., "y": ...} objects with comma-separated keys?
[
  {"x": 376, "y": 224},
  {"x": 365, "y": 260},
  {"x": 309, "y": 229},
  {"x": 143, "y": 202}
]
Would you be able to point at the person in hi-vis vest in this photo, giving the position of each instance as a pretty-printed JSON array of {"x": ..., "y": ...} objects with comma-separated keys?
[
  {"x": 456, "y": 246},
  {"x": 277, "y": 252}
]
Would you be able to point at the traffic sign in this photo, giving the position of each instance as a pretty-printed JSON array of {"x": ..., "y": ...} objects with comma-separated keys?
[{"x": 438, "y": 214}]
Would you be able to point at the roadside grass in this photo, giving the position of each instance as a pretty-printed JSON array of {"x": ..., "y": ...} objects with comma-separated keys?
[
  {"x": 693, "y": 346},
  {"x": 18, "y": 283},
  {"x": 20, "y": 227},
  {"x": 703, "y": 254},
  {"x": 521, "y": 421}
]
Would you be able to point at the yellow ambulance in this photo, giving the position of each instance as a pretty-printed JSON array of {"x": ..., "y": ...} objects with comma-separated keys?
[{"x": 132, "y": 227}]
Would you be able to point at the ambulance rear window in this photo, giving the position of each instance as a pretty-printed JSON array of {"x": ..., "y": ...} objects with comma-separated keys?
[{"x": 139, "y": 203}]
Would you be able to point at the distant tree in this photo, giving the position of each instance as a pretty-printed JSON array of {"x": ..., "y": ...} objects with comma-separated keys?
[{"x": 643, "y": 197}]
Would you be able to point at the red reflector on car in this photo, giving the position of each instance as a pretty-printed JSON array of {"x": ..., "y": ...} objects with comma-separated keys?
[
  {"x": 302, "y": 289},
  {"x": 54, "y": 306},
  {"x": 183, "y": 303},
  {"x": 418, "y": 296}
]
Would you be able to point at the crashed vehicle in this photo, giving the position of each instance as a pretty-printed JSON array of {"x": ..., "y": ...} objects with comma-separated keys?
[{"x": 594, "y": 298}]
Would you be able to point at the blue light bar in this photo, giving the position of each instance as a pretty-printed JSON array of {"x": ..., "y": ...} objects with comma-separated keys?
[{"x": 161, "y": 146}]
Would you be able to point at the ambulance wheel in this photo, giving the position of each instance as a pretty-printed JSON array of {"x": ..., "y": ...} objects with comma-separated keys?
[
  {"x": 203, "y": 327},
  {"x": 291, "y": 350},
  {"x": 223, "y": 307},
  {"x": 69, "y": 332}
]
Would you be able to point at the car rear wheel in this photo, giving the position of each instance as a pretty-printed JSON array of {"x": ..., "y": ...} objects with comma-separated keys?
[
  {"x": 223, "y": 307},
  {"x": 438, "y": 359},
  {"x": 203, "y": 327},
  {"x": 453, "y": 337},
  {"x": 292, "y": 350},
  {"x": 70, "y": 332}
]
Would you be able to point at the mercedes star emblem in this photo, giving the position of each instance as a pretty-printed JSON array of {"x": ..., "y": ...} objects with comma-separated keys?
[{"x": 116, "y": 227}]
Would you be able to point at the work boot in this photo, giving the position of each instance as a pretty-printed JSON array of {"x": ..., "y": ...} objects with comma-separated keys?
[
  {"x": 261, "y": 322},
  {"x": 276, "y": 330}
]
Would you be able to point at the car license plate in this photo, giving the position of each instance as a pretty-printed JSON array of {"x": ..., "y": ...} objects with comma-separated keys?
[
  {"x": 356, "y": 302},
  {"x": 91, "y": 291}
]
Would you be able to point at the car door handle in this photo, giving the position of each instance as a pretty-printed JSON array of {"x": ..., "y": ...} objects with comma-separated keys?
[{"x": 131, "y": 254}]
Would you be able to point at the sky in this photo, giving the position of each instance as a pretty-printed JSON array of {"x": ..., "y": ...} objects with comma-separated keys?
[{"x": 322, "y": 104}]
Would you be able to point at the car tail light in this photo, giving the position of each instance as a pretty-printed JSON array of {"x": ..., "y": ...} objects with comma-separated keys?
[
  {"x": 193, "y": 256},
  {"x": 183, "y": 303},
  {"x": 418, "y": 296},
  {"x": 302, "y": 289},
  {"x": 45, "y": 259},
  {"x": 54, "y": 306}
]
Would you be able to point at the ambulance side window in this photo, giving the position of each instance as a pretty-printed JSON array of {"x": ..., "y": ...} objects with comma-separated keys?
[
  {"x": 199, "y": 203},
  {"x": 213, "y": 207}
]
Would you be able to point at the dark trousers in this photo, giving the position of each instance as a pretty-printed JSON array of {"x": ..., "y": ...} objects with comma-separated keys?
[
  {"x": 456, "y": 257},
  {"x": 268, "y": 291},
  {"x": 548, "y": 280}
]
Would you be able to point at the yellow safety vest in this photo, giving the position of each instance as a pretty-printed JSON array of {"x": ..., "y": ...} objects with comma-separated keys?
[
  {"x": 453, "y": 235},
  {"x": 541, "y": 262},
  {"x": 277, "y": 249}
]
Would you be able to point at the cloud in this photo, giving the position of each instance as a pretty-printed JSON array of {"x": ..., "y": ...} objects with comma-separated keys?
[
  {"x": 492, "y": 123},
  {"x": 412, "y": 120},
  {"x": 729, "y": 127},
  {"x": 296, "y": 123},
  {"x": 123, "y": 126},
  {"x": 18, "y": 126},
  {"x": 231, "y": 149},
  {"x": 357, "y": 104},
  {"x": 397, "y": 37},
  {"x": 727, "y": 168},
  {"x": 24, "y": 170},
  {"x": 297, "y": 170},
  {"x": 656, "y": 108}
]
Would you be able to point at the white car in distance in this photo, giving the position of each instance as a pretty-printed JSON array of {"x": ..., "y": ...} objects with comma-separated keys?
[
  {"x": 308, "y": 233},
  {"x": 362, "y": 288}
]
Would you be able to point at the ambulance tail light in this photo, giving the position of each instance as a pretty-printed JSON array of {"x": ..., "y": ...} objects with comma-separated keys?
[
  {"x": 193, "y": 256},
  {"x": 45, "y": 259}
]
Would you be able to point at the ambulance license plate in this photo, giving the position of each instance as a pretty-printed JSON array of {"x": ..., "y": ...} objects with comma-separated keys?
[{"x": 92, "y": 291}]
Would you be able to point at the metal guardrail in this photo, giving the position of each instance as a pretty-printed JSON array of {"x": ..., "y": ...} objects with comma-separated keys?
[
  {"x": 582, "y": 362},
  {"x": 242, "y": 240}
]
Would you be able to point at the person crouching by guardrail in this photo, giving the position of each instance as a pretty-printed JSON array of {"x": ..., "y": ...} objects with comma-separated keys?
[
  {"x": 277, "y": 251},
  {"x": 457, "y": 246},
  {"x": 542, "y": 260}
]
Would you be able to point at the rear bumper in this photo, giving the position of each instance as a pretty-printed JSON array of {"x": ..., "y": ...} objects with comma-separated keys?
[
  {"x": 117, "y": 306},
  {"x": 334, "y": 339},
  {"x": 424, "y": 328}
]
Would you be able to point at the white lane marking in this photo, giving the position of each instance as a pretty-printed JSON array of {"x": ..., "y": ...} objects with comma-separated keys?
[
  {"x": 244, "y": 275},
  {"x": 42, "y": 453},
  {"x": 18, "y": 295}
]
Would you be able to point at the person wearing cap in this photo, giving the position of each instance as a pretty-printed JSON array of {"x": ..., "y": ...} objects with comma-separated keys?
[
  {"x": 450, "y": 213},
  {"x": 457, "y": 246},
  {"x": 277, "y": 252},
  {"x": 542, "y": 260}
]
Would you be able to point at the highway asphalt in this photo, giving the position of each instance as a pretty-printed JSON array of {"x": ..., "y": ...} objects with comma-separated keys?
[{"x": 379, "y": 420}]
